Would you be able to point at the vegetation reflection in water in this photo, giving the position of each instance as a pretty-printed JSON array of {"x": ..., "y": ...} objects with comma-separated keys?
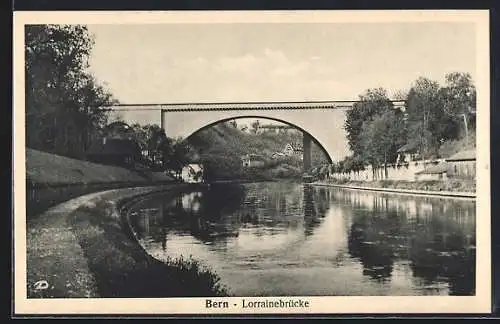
[{"x": 280, "y": 238}]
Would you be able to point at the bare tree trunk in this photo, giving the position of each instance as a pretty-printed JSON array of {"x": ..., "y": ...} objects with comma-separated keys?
[
  {"x": 385, "y": 165},
  {"x": 466, "y": 128}
]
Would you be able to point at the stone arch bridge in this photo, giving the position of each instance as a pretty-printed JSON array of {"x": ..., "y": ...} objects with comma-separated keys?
[{"x": 313, "y": 118}]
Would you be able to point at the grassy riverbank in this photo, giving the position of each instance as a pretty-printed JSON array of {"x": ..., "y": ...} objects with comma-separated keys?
[
  {"x": 52, "y": 179},
  {"x": 84, "y": 248},
  {"x": 48, "y": 169},
  {"x": 431, "y": 185}
]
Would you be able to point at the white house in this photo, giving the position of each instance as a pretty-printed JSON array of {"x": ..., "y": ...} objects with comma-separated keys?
[
  {"x": 408, "y": 153},
  {"x": 289, "y": 150},
  {"x": 292, "y": 149},
  {"x": 252, "y": 160},
  {"x": 192, "y": 173}
]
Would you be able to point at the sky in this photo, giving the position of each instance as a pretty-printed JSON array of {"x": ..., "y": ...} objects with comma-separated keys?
[{"x": 275, "y": 61}]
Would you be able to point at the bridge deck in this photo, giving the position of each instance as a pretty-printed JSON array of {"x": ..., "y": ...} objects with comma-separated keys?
[{"x": 306, "y": 105}]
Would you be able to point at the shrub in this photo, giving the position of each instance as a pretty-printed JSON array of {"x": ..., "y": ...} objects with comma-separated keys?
[{"x": 195, "y": 276}]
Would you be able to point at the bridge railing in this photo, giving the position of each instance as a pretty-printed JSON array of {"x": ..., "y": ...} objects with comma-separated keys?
[{"x": 218, "y": 106}]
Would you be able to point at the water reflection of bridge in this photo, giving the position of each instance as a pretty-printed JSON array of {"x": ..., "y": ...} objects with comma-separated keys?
[{"x": 210, "y": 218}]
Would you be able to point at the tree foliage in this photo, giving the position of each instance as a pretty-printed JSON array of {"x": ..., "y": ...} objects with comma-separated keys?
[
  {"x": 428, "y": 125},
  {"x": 152, "y": 140},
  {"x": 175, "y": 154},
  {"x": 434, "y": 116},
  {"x": 381, "y": 138},
  {"x": 459, "y": 96},
  {"x": 255, "y": 126},
  {"x": 62, "y": 98},
  {"x": 163, "y": 153},
  {"x": 371, "y": 103}
]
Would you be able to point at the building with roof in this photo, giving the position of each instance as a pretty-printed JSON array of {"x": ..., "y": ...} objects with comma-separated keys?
[
  {"x": 114, "y": 151},
  {"x": 434, "y": 172},
  {"x": 462, "y": 165},
  {"x": 253, "y": 160},
  {"x": 292, "y": 149},
  {"x": 117, "y": 146},
  {"x": 407, "y": 153}
]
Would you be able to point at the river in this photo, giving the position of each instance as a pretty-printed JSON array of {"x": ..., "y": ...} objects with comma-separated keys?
[{"x": 294, "y": 239}]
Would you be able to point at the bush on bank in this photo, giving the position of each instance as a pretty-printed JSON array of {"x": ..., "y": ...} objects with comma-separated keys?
[{"x": 192, "y": 272}]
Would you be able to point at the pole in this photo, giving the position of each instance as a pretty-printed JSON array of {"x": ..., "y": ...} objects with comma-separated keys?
[
  {"x": 306, "y": 151},
  {"x": 162, "y": 123},
  {"x": 466, "y": 128}
]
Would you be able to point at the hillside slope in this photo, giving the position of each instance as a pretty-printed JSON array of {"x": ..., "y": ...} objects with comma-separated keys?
[
  {"x": 46, "y": 168},
  {"x": 221, "y": 147}
]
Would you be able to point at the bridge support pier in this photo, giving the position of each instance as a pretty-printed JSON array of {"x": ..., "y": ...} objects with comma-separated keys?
[
  {"x": 306, "y": 147},
  {"x": 162, "y": 120}
]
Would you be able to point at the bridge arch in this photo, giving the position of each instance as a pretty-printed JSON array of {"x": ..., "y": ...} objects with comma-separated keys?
[
  {"x": 317, "y": 119},
  {"x": 306, "y": 134},
  {"x": 322, "y": 120}
]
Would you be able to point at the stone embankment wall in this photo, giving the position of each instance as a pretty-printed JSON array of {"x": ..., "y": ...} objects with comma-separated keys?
[{"x": 401, "y": 172}]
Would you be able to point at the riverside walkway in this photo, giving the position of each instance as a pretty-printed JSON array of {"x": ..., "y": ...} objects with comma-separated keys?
[{"x": 455, "y": 194}]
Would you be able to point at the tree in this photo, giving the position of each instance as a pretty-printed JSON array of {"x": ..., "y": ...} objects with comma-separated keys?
[
  {"x": 353, "y": 163},
  {"x": 255, "y": 126},
  {"x": 62, "y": 99},
  {"x": 381, "y": 138},
  {"x": 372, "y": 102},
  {"x": 426, "y": 125},
  {"x": 154, "y": 141},
  {"x": 175, "y": 154},
  {"x": 459, "y": 95},
  {"x": 151, "y": 138}
]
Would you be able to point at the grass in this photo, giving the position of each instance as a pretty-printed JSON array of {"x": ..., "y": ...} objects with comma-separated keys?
[
  {"x": 46, "y": 168},
  {"x": 52, "y": 179},
  {"x": 192, "y": 272},
  {"x": 451, "y": 147}
]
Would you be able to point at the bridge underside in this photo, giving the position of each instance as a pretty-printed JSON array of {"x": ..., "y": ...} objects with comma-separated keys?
[{"x": 315, "y": 125}]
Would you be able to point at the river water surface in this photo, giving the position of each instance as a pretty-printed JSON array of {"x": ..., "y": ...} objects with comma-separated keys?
[{"x": 285, "y": 239}]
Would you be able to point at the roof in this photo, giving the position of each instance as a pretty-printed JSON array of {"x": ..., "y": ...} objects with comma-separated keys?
[
  {"x": 294, "y": 146},
  {"x": 194, "y": 167},
  {"x": 435, "y": 169},
  {"x": 114, "y": 146},
  {"x": 410, "y": 147},
  {"x": 467, "y": 155},
  {"x": 118, "y": 126}
]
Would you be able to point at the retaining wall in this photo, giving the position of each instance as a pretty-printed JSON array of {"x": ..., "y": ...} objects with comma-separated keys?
[
  {"x": 40, "y": 197},
  {"x": 402, "y": 172}
]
